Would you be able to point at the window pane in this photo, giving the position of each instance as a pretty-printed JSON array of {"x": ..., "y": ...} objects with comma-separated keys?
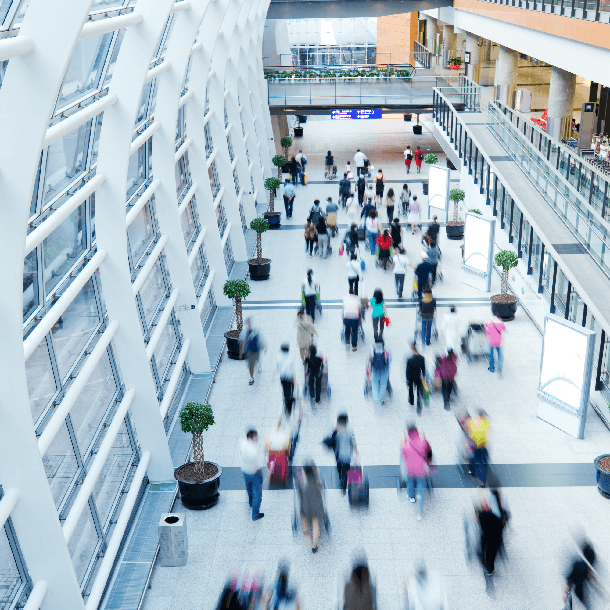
[
  {"x": 41, "y": 382},
  {"x": 110, "y": 478},
  {"x": 96, "y": 138},
  {"x": 115, "y": 54},
  {"x": 136, "y": 171},
  {"x": 74, "y": 328},
  {"x": 82, "y": 544},
  {"x": 165, "y": 348},
  {"x": 188, "y": 223},
  {"x": 63, "y": 247},
  {"x": 99, "y": 4},
  {"x": 85, "y": 69},
  {"x": 10, "y": 579},
  {"x": 3, "y": 67},
  {"x": 30, "y": 284},
  {"x": 91, "y": 405},
  {"x": 60, "y": 464},
  {"x": 139, "y": 234},
  {"x": 92, "y": 204},
  {"x": 141, "y": 114},
  {"x": 67, "y": 159},
  {"x": 152, "y": 292}
]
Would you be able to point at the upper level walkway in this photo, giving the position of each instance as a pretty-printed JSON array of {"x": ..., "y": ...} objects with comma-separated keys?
[{"x": 329, "y": 9}]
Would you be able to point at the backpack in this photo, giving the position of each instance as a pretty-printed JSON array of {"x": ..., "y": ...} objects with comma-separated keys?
[
  {"x": 344, "y": 186},
  {"x": 379, "y": 361},
  {"x": 303, "y": 161},
  {"x": 361, "y": 183},
  {"x": 349, "y": 244},
  {"x": 419, "y": 155},
  {"x": 409, "y": 156},
  {"x": 314, "y": 215}
]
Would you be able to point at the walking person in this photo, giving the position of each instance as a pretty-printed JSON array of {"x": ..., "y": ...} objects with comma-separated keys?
[
  {"x": 416, "y": 374},
  {"x": 305, "y": 332},
  {"x": 345, "y": 189},
  {"x": 384, "y": 244},
  {"x": 329, "y": 162},
  {"x": 331, "y": 216},
  {"x": 351, "y": 239},
  {"x": 309, "y": 488},
  {"x": 491, "y": 527},
  {"x": 301, "y": 159},
  {"x": 419, "y": 157},
  {"x": 372, "y": 230},
  {"x": 310, "y": 289},
  {"x": 453, "y": 329},
  {"x": 379, "y": 369},
  {"x": 315, "y": 212},
  {"x": 477, "y": 429},
  {"x": 361, "y": 187},
  {"x": 359, "y": 593},
  {"x": 343, "y": 443},
  {"x": 389, "y": 203},
  {"x": 434, "y": 256},
  {"x": 396, "y": 233},
  {"x": 367, "y": 209},
  {"x": 359, "y": 159},
  {"x": 352, "y": 311},
  {"x": 408, "y": 158},
  {"x": 379, "y": 187},
  {"x": 405, "y": 199},
  {"x": 379, "y": 313},
  {"x": 282, "y": 596},
  {"x": 494, "y": 330},
  {"x": 293, "y": 167},
  {"x": 353, "y": 211},
  {"x": 581, "y": 577},
  {"x": 291, "y": 416},
  {"x": 416, "y": 454},
  {"x": 323, "y": 238},
  {"x": 311, "y": 237},
  {"x": 401, "y": 262},
  {"x": 252, "y": 463},
  {"x": 348, "y": 171},
  {"x": 427, "y": 309},
  {"x": 414, "y": 217},
  {"x": 313, "y": 373},
  {"x": 288, "y": 197},
  {"x": 250, "y": 345},
  {"x": 353, "y": 273},
  {"x": 433, "y": 230},
  {"x": 284, "y": 367},
  {"x": 447, "y": 370},
  {"x": 423, "y": 271}
]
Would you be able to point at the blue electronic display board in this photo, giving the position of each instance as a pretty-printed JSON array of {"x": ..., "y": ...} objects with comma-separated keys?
[{"x": 356, "y": 113}]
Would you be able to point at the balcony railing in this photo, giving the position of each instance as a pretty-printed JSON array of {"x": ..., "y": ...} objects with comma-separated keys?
[{"x": 589, "y": 10}]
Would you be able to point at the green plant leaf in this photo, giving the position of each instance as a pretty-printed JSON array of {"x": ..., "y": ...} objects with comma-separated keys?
[
  {"x": 431, "y": 158},
  {"x": 272, "y": 184},
  {"x": 506, "y": 259},
  {"x": 286, "y": 142},
  {"x": 457, "y": 195},
  {"x": 260, "y": 225},
  {"x": 196, "y": 418},
  {"x": 475, "y": 211},
  {"x": 236, "y": 288},
  {"x": 278, "y": 160}
]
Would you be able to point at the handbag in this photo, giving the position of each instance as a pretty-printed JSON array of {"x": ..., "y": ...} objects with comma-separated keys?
[
  {"x": 362, "y": 264},
  {"x": 304, "y": 178},
  {"x": 437, "y": 383},
  {"x": 340, "y": 250},
  {"x": 386, "y": 321},
  {"x": 425, "y": 393}
]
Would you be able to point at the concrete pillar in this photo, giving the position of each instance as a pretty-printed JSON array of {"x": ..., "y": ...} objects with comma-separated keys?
[
  {"x": 431, "y": 31},
  {"x": 506, "y": 75},
  {"x": 474, "y": 67},
  {"x": 276, "y": 43},
  {"x": 448, "y": 44},
  {"x": 561, "y": 103},
  {"x": 279, "y": 123}
]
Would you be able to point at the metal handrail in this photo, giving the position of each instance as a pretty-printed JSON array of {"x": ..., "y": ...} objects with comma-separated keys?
[{"x": 567, "y": 8}]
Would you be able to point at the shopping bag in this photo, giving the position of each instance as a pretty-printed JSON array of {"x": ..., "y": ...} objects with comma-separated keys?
[
  {"x": 437, "y": 383},
  {"x": 386, "y": 321},
  {"x": 340, "y": 250},
  {"x": 425, "y": 393},
  {"x": 362, "y": 264},
  {"x": 304, "y": 178},
  {"x": 303, "y": 298},
  {"x": 354, "y": 475}
]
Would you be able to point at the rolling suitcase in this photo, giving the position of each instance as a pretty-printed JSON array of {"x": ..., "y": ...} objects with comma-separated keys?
[
  {"x": 357, "y": 487},
  {"x": 280, "y": 468},
  {"x": 361, "y": 233}
]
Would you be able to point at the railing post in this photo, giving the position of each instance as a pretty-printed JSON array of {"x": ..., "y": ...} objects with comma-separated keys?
[
  {"x": 520, "y": 239},
  {"x": 597, "y": 10},
  {"x": 584, "y": 315},
  {"x": 573, "y": 11},
  {"x": 568, "y": 299},
  {"x": 529, "y": 254},
  {"x": 511, "y": 237},
  {"x": 600, "y": 361},
  {"x": 553, "y": 308},
  {"x": 541, "y": 269}
]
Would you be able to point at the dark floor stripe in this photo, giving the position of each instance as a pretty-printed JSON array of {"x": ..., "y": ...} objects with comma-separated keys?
[{"x": 450, "y": 476}]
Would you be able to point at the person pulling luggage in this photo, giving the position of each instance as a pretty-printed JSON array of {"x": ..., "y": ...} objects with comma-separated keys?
[
  {"x": 343, "y": 443},
  {"x": 345, "y": 189},
  {"x": 379, "y": 369},
  {"x": 416, "y": 374},
  {"x": 416, "y": 455}
]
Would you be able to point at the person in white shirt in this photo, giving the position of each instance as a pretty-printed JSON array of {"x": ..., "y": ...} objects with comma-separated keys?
[
  {"x": 353, "y": 273},
  {"x": 352, "y": 309},
  {"x": 284, "y": 367},
  {"x": 408, "y": 158},
  {"x": 359, "y": 159},
  {"x": 290, "y": 418},
  {"x": 453, "y": 329},
  {"x": 252, "y": 464},
  {"x": 309, "y": 289},
  {"x": 401, "y": 262}
]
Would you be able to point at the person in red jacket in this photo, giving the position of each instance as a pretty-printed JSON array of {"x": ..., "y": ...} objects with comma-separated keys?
[
  {"x": 446, "y": 369},
  {"x": 384, "y": 242},
  {"x": 419, "y": 157}
]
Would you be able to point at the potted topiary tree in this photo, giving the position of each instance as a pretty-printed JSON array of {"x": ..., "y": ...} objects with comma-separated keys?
[
  {"x": 602, "y": 474},
  {"x": 286, "y": 143},
  {"x": 259, "y": 267},
  {"x": 455, "y": 227},
  {"x": 279, "y": 161},
  {"x": 430, "y": 159},
  {"x": 198, "y": 480},
  {"x": 236, "y": 290},
  {"x": 504, "y": 305},
  {"x": 272, "y": 184}
]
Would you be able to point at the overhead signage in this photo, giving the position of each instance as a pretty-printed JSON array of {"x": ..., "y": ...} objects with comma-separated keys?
[{"x": 356, "y": 113}]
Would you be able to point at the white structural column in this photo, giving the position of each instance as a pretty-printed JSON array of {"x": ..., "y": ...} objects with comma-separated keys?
[
  {"x": 473, "y": 69},
  {"x": 53, "y": 26},
  {"x": 561, "y": 103},
  {"x": 163, "y": 161},
  {"x": 196, "y": 119},
  {"x": 506, "y": 75},
  {"x": 128, "y": 79},
  {"x": 431, "y": 32},
  {"x": 449, "y": 43},
  {"x": 235, "y": 68},
  {"x": 216, "y": 91}
]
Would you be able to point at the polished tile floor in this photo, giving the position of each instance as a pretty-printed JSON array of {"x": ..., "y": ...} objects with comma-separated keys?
[{"x": 550, "y": 505}]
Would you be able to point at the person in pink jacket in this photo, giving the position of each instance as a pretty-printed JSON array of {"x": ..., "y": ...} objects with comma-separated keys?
[
  {"x": 494, "y": 329},
  {"x": 416, "y": 456}
]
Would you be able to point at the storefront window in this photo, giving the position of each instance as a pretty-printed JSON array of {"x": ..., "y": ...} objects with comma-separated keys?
[
  {"x": 187, "y": 220},
  {"x": 561, "y": 292}
]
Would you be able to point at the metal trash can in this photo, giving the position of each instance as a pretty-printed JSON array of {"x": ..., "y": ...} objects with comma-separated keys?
[{"x": 173, "y": 549}]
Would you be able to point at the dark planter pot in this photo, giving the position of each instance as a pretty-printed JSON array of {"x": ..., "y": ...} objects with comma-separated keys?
[
  {"x": 505, "y": 310},
  {"x": 455, "y": 231},
  {"x": 233, "y": 346},
  {"x": 274, "y": 219},
  {"x": 602, "y": 477},
  {"x": 298, "y": 132},
  {"x": 199, "y": 496},
  {"x": 425, "y": 187},
  {"x": 407, "y": 118},
  {"x": 259, "y": 271},
  {"x": 417, "y": 130}
]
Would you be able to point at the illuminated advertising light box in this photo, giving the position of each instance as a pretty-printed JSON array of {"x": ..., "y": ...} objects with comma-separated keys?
[
  {"x": 356, "y": 113},
  {"x": 438, "y": 192},
  {"x": 565, "y": 375},
  {"x": 478, "y": 251}
]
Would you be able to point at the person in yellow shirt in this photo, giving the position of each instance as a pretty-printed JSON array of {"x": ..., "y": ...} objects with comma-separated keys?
[{"x": 477, "y": 428}]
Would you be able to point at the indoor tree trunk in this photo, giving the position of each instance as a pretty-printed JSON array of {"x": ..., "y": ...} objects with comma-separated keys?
[
  {"x": 259, "y": 247},
  {"x": 238, "y": 314},
  {"x": 271, "y": 197},
  {"x": 198, "y": 452},
  {"x": 456, "y": 209},
  {"x": 504, "y": 288},
  {"x": 279, "y": 173}
]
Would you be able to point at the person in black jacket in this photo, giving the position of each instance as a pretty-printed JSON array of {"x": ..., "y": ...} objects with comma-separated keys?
[
  {"x": 366, "y": 210},
  {"x": 329, "y": 162},
  {"x": 293, "y": 166},
  {"x": 345, "y": 190},
  {"x": 433, "y": 230},
  {"x": 416, "y": 373},
  {"x": 427, "y": 308},
  {"x": 361, "y": 187},
  {"x": 581, "y": 575},
  {"x": 313, "y": 368}
]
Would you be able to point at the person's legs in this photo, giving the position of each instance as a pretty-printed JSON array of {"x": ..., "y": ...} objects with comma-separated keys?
[
  {"x": 293, "y": 446},
  {"x": 420, "y": 392},
  {"x": 312, "y": 382},
  {"x": 290, "y": 204},
  {"x": 286, "y": 205},
  {"x": 342, "y": 468},
  {"x": 248, "y": 482},
  {"x": 310, "y": 306},
  {"x": 356, "y": 286},
  {"x": 411, "y": 383},
  {"x": 287, "y": 388},
  {"x": 315, "y": 532},
  {"x": 426, "y": 331},
  {"x": 257, "y": 495},
  {"x": 295, "y": 176},
  {"x": 500, "y": 359},
  {"x": 446, "y": 389},
  {"x": 410, "y": 487},
  {"x": 491, "y": 359},
  {"x": 372, "y": 240},
  {"x": 420, "y": 495},
  {"x": 353, "y": 324},
  {"x": 305, "y": 526},
  {"x": 376, "y": 327},
  {"x": 318, "y": 387},
  {"x": 399, "y": 279},
  {"x": 383, "y": 384}
]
